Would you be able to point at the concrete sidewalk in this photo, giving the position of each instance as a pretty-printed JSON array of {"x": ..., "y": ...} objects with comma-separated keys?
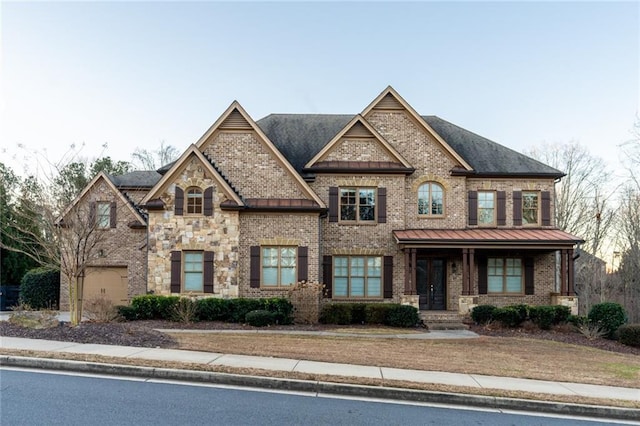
[{"x": 327, "y": 368}]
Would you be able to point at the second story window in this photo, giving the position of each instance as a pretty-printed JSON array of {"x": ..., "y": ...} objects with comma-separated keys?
[
  {"x": 103, "y": 215},
  {"x": 430, "y": 199},
  {"x": 194, "y": 201},
  {"x": 357, "y": 204},
  {"x": 530, "y": 208},
  {"x": 486, "y": 208}
]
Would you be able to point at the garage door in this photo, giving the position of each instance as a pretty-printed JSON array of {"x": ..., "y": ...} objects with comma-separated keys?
[{"x": 109, "y": 282}]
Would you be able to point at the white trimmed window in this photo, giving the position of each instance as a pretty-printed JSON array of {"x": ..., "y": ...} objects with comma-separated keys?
[
  {"x": 194, "y": 201},
  {"x": 279, "y": 266},
  {"x": 357, "y": 204},
  {"x": 103, "y": 215},
  {"x": 505, "y": 276},
  {"x": 357, "y": 276}
]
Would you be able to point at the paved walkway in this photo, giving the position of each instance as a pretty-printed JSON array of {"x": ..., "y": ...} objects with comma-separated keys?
[{"x": 327, "y": 368}]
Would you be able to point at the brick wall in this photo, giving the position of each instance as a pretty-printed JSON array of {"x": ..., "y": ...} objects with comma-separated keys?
[{"x": 358, "y": 150}]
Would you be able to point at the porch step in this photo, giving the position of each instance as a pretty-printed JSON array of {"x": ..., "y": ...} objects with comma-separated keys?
[{"x": 442, "y": 320}]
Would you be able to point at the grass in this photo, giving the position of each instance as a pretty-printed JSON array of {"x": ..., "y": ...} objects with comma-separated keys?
[{"x": 499, "y": 356}]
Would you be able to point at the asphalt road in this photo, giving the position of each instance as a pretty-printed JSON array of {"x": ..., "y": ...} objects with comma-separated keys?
[{"x": 47, "y": 398}]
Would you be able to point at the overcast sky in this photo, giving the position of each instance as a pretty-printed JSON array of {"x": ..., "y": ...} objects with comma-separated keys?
[{"x": 133, "y": 74}]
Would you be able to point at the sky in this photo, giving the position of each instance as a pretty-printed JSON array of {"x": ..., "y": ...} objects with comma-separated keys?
[{"x": 116, "y": 76}]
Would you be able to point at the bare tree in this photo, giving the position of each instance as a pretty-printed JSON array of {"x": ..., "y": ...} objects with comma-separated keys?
[{"x": 143, "y": 159}]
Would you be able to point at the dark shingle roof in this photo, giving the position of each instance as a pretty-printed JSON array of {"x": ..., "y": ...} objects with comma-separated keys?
[
  {"x": 137, "y": 179},
  {"x": 301, "y": 136}
]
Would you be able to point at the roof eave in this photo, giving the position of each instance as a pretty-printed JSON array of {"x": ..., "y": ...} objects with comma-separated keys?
[{"x": 372, "y": 170}]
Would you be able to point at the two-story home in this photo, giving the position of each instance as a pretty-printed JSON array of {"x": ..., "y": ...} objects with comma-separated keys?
[{"x": 384, "y": 205}]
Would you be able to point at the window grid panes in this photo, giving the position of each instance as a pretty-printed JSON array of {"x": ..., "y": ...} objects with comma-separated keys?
[
  {"x": 279, "y": 266},
  {"x": 193, "y": 271},
  {"x": 103, "y": 215},
  {"x": 357, "y": 276},
  {"x": 194, "y": 201},
  {"x": 430, "y": 199},
  {"x": 504, "y": 275},
  {"x": 486, "y": 207},
  {"x": 529, "y": 208},
  {"x": 357, "y": 204}
]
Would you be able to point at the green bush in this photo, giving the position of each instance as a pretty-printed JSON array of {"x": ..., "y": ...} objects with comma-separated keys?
[
  {"x": 239, "y": 308},
  {"x": 376, "y": 313},
  {"x": 40, "y": 288},
  {"x": 260, "y": 318},
  {"x": 562, "y": 314},
  {"x": 336, "y": 313},
  {"x": 154, "y": 306},
  {"x": 578, "y": 320},
  {"x": 281, "y": 308},
  {"x": 630, "y": 335},
  {"x": 402, "y": 316},
  {"x": 214, "y": 309},
  {"x": 609, "y": 316},
  {"x": 510, "y": 316},
  {"x": 128, "y": 313},
  {"x": 482, "y": 314},
  {"x": 543, "y": 316},
  {"x": 358, "y": 313}
]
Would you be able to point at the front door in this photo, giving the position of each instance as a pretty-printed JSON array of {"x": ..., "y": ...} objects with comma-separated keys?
[{"x": 431, "y": 283}]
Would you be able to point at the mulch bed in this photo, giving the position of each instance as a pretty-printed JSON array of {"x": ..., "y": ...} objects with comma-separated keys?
[{"x": 142, "y": 333}]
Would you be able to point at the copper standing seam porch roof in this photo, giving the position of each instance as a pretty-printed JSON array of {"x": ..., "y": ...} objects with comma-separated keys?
[{"x": 486, "y": 238}]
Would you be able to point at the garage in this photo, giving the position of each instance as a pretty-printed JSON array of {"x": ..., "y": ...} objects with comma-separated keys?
[{"x": 110, "y": 282}]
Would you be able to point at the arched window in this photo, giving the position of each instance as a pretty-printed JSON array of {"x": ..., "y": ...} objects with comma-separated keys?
[
  {"x": 194, "y": 201},
  {"x": 430, "y": 199}
]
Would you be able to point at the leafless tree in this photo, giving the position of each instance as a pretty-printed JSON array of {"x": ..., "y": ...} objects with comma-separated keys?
[{"x": 144, "y": 159}]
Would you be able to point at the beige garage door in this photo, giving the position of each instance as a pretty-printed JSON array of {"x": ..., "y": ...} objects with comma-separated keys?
[{"x": 109, "y": 282}]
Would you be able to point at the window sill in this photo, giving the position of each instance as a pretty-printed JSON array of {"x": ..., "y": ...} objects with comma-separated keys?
[
  {"x": 373, "y": 223},
  {"x": 358, "y": 299},
  {"x": 505, "y": 294},
  {"x": 427, "y": 216}
]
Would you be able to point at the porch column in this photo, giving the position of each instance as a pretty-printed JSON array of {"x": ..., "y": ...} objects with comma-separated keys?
[
  {"x": 564, "y": 288},
  {"x": 570, "y": 278},
  {"x": 410, "y": 271},
  {"x": 466, "y": 288},
  {"x": 414, "y": 271},
  {"x": 472, "y": 269}
]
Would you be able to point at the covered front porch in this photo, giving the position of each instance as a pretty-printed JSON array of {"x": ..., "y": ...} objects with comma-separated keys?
[{"x": 454, "y": 270}]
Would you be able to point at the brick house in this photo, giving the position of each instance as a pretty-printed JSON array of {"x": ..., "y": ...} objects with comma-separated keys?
[{"x": 385, "y": 205}]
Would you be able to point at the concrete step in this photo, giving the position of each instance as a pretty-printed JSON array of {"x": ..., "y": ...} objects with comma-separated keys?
[{"x": 442, "y": 320}]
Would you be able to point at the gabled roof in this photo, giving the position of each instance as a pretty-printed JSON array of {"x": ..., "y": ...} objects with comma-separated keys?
[
  {"x": 107, "y": 179},
  {"x": 389, "y": 97},
  {"x": 236, "y": 117},
  {"x": 177, "y": 166},
  {"x": 488, "y": 157},
  {"x": 137, "y": 179},
  {"x": 367, "y": 130}
]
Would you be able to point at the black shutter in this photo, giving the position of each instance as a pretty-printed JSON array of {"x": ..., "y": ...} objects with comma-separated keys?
[
  {"x": 473, "y": 207},
  {"x": 208, "y": 272},
  {"x": 179, "y": 201},
  {"x": 176, "y": 271},
  {"x": 528, "y": 275},
  {"x": 382, "y": 205},
  {"x": 482, "y": 275},
  {"x": 112, "y": 215},
  {"x": 546, "y": 208},
  {"x": 517, "y": 208},
  {"x": 254, "y": 273},
  {"x": 333, "y": 204},
  {"x": 208, "y": 202},
  {"x": 388, "y": 277},
  {"x": 303, "y": 263},
  {"x": 327, "y": 275},
  {"x": 502, "y": 208},
  {"x": 92, "y": 213}
]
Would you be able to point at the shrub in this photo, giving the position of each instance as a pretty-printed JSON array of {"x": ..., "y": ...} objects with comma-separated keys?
[
  {"x": 402, "y": 316},
  {"x": 376, "y": 313},
  {"x": 482, "y": 314},
  {"x": 40, "y": 288},
  {"x": 281, "y": 308},
  {"x": 185, "y": 310},
  {"x": 239, "y": 308},
  {"x": 260, "y": 318},
  {"x": 100, "y": 309},
  {"x": 562, "y": 314},
  {"x": 214, "y": 309},
  {"x": 358, "y": 313},
  {"x": 336, "y": 313},
  {"x": 591, "y": 330},
  {"x": 510, "y": 316},
  {"x": 577, "y": 320},
  {"x": 543, "y": 316},
  {"x": 26, "y": 317},
  {"x": 127, "y": 313},
  {"x": 307, "y": 301},
  {"x": 630, "y": 335},
  {"x": 609, "y": 316},
  {"x": 152, "y": 306}
]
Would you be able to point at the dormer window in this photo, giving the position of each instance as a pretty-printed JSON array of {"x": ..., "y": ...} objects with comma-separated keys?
[{"x": 194, "y": 201}]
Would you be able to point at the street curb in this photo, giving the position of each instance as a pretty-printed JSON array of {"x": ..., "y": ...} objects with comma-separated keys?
[{"x": 319, "y": 387}]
